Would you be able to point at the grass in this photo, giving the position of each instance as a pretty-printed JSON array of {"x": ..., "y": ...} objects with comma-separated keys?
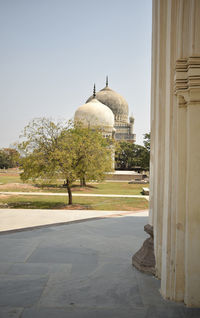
[
  {"x": 12, "y": 182},
  {"x": 55, "y": 202},
  {"x": 5, "y": 179},
  {"x": 112, "y": 188},
  {"x": 100, "y": 188}
]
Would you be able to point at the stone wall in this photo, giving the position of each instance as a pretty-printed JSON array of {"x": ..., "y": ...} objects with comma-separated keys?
[{"x": 124, "y": 177}]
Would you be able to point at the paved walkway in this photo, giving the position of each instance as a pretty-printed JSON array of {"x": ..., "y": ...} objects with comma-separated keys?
[
  {"x": 80, "y": 270},
  {"x": 77, "y": 194},
  {"x": 16, "y": 219}
]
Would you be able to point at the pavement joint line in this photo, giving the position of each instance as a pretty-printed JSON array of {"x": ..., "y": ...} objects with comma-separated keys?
[{"x": 33, "y": 249}]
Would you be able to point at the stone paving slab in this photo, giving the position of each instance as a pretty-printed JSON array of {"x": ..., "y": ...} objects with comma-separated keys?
[
  {"x": 78, "y": 312},
  {"x": 81, "y": 270},
  {"x": 21, "y": 291},
  {"x": 10, "y": 312},
  {"x": 84, "y": 313},
  {"x": 18, "y": 252}
]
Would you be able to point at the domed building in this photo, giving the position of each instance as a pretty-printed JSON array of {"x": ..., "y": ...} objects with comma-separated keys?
[
  {"x": 119, "y": 106},
  {"x": 96, "y": 114}
]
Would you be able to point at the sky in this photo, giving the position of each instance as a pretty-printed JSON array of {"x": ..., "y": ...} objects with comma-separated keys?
[{"x": 53, "y": 51}]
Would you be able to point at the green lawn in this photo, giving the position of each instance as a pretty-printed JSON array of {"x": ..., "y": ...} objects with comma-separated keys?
[
  {"x": 55, "y": 202},
  {"x": 5, "y": 179},
  {"x": 112, "y": 188},
  {"x": 12, "y": 182}
]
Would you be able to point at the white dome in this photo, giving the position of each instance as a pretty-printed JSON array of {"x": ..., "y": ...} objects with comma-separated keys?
[
  {"x": 95, "y": 114},
  {"x": 114, "y": 101}
]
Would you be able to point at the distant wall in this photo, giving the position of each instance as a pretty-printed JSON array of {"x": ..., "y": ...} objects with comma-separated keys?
[{"x": 123, "y": 177}]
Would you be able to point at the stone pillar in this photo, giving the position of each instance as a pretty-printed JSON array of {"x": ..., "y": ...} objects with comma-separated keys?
[
  {"x": 175, "y": 148},
  {"x": 187, "y": 88}
]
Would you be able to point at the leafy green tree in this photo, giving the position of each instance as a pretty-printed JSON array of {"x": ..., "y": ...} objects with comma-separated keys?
[
  {"x": 147, "y": 139},
  {"x": 40, "y": 139},
  {"x": 3, "y": 160},
  {"x": 53, "y": 151},
  {"x": 124, "y": 155},
  {"x": 94, "y": 154},
  {"x": 146, "y": 154},
  {"x": 132, "y": 156},
  {"x": 9, "y": 158}
]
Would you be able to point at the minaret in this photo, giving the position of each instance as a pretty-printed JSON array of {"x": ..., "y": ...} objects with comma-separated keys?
[
  {"x": 131, "y": 121},
  {"x": 107, "y": 81},
  {"x": 94, "y": 91}
]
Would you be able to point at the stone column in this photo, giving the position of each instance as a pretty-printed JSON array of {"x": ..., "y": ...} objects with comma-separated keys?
[{"x": 175, "y": 148}]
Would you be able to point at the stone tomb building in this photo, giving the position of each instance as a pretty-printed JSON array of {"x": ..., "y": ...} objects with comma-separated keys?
[
  {"x": 96, "y": 114},
  {"x": 110, "y": 102}
]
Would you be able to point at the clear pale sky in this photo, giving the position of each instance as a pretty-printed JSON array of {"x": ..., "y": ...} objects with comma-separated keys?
[{"x": 52, "y": 52}]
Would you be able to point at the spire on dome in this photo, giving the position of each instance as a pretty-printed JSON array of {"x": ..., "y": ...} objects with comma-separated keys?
[
  {"x": 107, "y": 81},
  {"x": 94, "y": 91}
]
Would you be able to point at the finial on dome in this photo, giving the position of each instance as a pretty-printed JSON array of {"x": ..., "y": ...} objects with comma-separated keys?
[
  {"x": 94, "y": 91},
  {"x": 107, "y": 81}
]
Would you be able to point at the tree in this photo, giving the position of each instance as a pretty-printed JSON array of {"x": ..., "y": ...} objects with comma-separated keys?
[
  {"x": 62, "y": 151},
  {"x": 147, "y": 145},
  {"x": 3, "y": 160},
  {"x": 131, "y": 156},
  {"x": 94, "y": 154},
  {"x": 147, "y": 139},
  {"x": 9, "y": 158},
  {"x": 124, "y": 155}
]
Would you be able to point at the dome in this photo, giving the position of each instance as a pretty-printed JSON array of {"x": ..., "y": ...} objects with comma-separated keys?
[
  {"x": 95, "y": 114},
  {"x": 114, "y": 101}
]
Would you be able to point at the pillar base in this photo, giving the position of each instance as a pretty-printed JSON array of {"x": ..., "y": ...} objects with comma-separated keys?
[{"x": 144, "y": 259}]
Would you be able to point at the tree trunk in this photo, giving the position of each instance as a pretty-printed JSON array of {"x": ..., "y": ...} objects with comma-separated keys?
[
  {"x": 69, "y": 192},
  {"x": 81, "y": 182},
  {"x": 84, "y": 182}
]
